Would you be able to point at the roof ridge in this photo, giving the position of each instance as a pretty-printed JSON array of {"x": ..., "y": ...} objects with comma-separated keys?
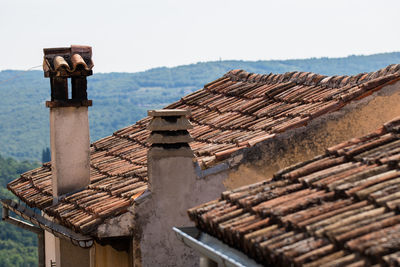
[{"x": 311, "y": 78}]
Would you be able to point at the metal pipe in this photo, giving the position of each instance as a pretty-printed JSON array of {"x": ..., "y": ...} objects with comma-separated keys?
[
  {"x": 4, "y": 214},
  {"x": 23, "y": 225}
]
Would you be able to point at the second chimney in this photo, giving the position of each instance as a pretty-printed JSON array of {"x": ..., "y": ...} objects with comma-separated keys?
[
  {"x": 170, "y": 139},
  {"x": 69, "y": 124},
  {"x": 173, "y": 184}
]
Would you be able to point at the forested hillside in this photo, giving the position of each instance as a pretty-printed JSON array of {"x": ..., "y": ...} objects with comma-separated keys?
[
  {"x": 121, "y": 99},
  {"x": 17, "y": 247}
]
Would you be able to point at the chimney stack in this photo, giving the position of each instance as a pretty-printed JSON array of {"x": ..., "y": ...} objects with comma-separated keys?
[
  {"x": 169, "y": 140},
  {"x": 173, "y": 184},
  {"x": 69, "y": 124}
]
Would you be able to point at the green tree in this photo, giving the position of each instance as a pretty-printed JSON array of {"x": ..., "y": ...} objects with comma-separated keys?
[{"x": 17, "y": 247}]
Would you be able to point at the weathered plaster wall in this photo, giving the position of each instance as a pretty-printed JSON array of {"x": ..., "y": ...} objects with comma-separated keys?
[
  {"x": 71, "y": 255},
  {"x": 175, "y": 188},
  {"x": 122, "y": 225},
  {"x": 69, "y": 141},
  {"x": 50, "y": 250},
  {"x": 107, "y": 256},
  {"x": 356, "y": 119}
]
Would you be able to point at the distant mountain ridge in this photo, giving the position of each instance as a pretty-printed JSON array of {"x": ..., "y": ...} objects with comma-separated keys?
[{"x": 120, "y": 99}]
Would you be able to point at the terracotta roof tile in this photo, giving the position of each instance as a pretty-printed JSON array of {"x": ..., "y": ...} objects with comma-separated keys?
[
  {"x": 229, "y": 114},
  {"x": 341, "y": 208},
  {"x": 66, "y": 60}
]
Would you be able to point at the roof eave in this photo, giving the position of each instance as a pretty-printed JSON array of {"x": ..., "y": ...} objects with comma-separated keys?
[{"x": 77, "y": 239}]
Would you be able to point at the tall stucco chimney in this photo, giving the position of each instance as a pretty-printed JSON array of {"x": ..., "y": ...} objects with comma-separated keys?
[
  {"x": 172, "y": 180},
  {"x": 169, "y": 140},
  {"x": 69, "y": 124}
]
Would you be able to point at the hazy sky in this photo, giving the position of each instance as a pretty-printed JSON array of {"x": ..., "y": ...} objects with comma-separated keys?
[{"x": 137, "y": 35}]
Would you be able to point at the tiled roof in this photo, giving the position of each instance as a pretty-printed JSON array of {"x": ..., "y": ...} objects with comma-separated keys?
[
  {"x": 341, "y": 208},
  {"x": 234, "y": 112}
]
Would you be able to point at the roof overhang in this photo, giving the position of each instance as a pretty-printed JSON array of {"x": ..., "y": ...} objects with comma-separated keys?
[
  {"x": 213, "y": 248},
  {"x": 45, "y": 224}
]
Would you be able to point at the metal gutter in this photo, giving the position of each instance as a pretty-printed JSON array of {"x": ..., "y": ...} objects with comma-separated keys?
[
  {"x": 212, "y": 170},
  {"x": 142, "y": 197},
  {"x": 231, "y": 162},
  {"x": 213, "y": 248},
  {"x": 30, "y": 227},
  {"x": 45, "y": 224}
]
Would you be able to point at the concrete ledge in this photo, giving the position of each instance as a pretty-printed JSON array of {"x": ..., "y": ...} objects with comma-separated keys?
[
  {"x": 69, "y": 103},
  {"x": 160, "y": 124},
  {"x": 168, "y": 112},
  {"x": 159, "y": 152},
  {"x": 157, "y": 138}
]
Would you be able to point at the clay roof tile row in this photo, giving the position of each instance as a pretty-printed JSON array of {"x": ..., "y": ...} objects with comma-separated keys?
[{"x": 339, "y": 208}]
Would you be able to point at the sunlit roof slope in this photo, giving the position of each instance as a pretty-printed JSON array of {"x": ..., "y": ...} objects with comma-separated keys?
[
  {"x": 340, "y": 208},
  {"x": 234, "y": 112}
]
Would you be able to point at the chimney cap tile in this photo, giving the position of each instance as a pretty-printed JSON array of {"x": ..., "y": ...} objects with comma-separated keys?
[{"x": 68, "y": 61}]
